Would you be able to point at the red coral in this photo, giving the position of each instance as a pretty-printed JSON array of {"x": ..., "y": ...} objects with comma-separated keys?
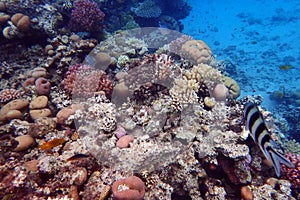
[
  {"x": 85, "y": 16},
  {"x": 83, "y": 81},
  {"x": 292, "y": 174}
]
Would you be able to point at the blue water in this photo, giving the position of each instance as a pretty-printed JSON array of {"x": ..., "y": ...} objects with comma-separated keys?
[{"x": 257, "y": 36}]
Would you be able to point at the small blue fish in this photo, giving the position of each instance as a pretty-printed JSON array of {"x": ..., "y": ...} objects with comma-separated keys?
[{"x": 256, "y": 125}]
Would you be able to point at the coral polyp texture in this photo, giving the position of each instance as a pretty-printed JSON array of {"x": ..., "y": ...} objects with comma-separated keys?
[
  {"x": 292, "y": 174},
  {"x": 85, "y": 16},
  {"x": 84, "y": 81},
  {"x": 10, "y": 94}
]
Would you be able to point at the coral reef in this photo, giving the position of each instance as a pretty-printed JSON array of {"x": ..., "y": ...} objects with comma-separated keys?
[{"x": 80, "y": 120}]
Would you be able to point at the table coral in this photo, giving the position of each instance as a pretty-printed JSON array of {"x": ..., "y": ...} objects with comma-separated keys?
[{"x": 124, "y": 43}]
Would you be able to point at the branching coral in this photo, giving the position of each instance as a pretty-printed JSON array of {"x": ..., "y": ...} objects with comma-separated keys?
[
  {"x": 85, "y": 16},
  {"x": 10, "y": 94}
]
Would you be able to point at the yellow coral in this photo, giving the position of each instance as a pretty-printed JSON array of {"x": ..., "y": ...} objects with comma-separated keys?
[
  {"x": 185, "y": 90},
  {"x": 204, "y": 73},
  {"x": 233, "y": 87}
]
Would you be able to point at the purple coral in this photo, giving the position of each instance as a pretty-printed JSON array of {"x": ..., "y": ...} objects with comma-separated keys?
[{"x": 85, "y": 16}]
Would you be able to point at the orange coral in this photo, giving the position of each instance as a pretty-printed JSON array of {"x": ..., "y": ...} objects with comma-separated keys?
[{"x": 52, "y": 143}]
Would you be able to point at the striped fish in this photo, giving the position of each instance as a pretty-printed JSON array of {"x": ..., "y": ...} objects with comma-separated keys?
[{"x": 256, "y": 125}]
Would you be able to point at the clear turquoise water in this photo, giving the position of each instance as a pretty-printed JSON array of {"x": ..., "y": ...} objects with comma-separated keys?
[{"x": 258, "y": 37}]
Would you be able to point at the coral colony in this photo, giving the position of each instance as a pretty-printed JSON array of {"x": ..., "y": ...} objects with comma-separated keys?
[{"x": 95, "y": 105}]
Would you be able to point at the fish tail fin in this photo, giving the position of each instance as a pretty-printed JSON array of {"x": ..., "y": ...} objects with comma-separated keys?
[{"x": 276, "y": 158}]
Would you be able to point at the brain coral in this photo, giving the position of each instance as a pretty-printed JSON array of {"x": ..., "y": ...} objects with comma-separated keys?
[
  {"x": 233, "y": 87},
  {"x": 130, "y": 188},
  {"x": 196, "y": 51}
]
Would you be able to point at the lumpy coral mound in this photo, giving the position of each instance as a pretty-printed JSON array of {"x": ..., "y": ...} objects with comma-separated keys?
[{"x": 83, "y": 81}]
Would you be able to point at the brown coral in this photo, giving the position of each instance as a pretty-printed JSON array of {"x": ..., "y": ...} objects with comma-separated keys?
[
  {"x": 130, "y": 188},
  {"x": 196, "y": 51},
  {"x": 21, "y": 21}
]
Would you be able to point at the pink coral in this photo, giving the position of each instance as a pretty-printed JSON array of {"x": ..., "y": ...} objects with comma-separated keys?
[
  {"x": 85, "y": 16},
  {"x": 83, "y": 81},
  {"x": 292, "y": 174},
  {"x": 124, "y": 141},
  {"x": 130, "y": 188},
  {"x": 9, "y": 94}
]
